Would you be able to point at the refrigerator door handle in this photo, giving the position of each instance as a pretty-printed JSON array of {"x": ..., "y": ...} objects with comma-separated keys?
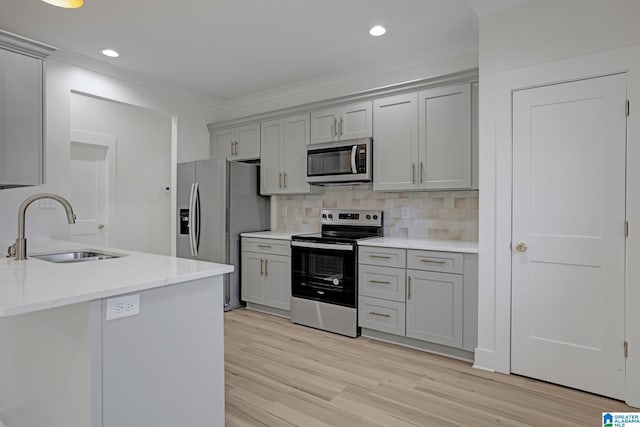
[
  {"x": 191, "y": 218},
  {"x": 198, "y": 219}
]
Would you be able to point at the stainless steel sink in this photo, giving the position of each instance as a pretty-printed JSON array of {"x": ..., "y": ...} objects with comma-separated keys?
[{"x": 77, "y": 256}]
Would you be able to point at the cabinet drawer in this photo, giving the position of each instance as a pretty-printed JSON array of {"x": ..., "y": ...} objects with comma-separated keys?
[
  {"x": 386, "y": 257},
  {"x": 382, "y": 282},
  {"x": 266, "y": 246},
  {"x": 381, "y": 315},
  {"x": 445, "y": 262}
]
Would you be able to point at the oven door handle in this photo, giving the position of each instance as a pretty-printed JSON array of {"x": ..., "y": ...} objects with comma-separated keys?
[{"x": 330, "y": 246}]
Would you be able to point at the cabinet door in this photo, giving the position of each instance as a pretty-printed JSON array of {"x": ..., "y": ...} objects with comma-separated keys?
[
  {"x": 248, "y": 142},
  {"x": 278, "y": 281},
  {"x": 324, "y": 125},
  {"x": 294, "y": 154},
  {"x": 395, "y": 144},
  {"x": 252, "y": 286},
  {"x": 222, "y": 144},
  {"x": 445, "y": 138},
  {"x": 355, "y": 121},
  {"x": 270, "y": 161},
  {"x": 20, "y": 120},
  {"x": 434, "y": 307}
]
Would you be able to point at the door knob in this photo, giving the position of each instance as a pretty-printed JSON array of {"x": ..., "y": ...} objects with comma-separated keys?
[
  {"x": 100, "y": 226},
  {"x": 521, "y": 247}
]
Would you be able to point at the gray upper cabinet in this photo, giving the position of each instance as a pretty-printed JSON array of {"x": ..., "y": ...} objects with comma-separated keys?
[
  {"x": 395, "y": 146},
  {"x": 239, "y": 143},
  {"x": 283, "y": 163},
  {"x": 423, "y": 140},
  {"x": 342, "y": 123},
  {"x": 21, "y": 110},
  {"x": 445, "y": 137}
]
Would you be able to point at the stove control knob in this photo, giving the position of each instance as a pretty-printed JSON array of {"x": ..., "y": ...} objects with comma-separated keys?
[
  {"x": 368, "y": 216},
  {"x": 375, "y": 217},
  {"x": 330, "y": 216},
  {"x": 324, "y": 216}
]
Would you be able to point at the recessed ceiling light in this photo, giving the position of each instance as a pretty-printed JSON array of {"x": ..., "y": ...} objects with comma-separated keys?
[
  {"x": 110, "y": 53},
  {"x": 378, "y": 30},
  {"x": 69, "y": 4}
]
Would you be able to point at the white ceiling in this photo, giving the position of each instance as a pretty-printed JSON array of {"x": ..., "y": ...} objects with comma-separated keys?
[{"x": 225, "y": 49}]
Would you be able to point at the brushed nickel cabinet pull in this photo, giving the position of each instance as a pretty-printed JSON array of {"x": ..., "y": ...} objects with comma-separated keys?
[
  {"x": 373, "y": 313},
  {"x": 280, "y": 180},
  {"x": 379, "y": 256},
  {"x": 409, "y": 287},
  {"x": 421, "y": 172},
  {"x": 265, "y": 246},
  {"x": 232, "y": 148},
  {"x": 266, "y": 267},
  {"x": 413, "y": 173},
  {"x": 379, "y": 282},
  {"x": 432, "y": 261},
  {"x": 261, "y": 267},
  {"x": 285, "y": 180},
  {"x": 334, "y": 128},
  {"x": 340, "y": 127}
]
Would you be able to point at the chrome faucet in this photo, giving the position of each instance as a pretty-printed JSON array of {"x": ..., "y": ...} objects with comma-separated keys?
[{"x": 19, "y": 249}]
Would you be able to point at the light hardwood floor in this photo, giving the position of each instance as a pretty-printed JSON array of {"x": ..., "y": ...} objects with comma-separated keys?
[{"x": 281, "y": 374}]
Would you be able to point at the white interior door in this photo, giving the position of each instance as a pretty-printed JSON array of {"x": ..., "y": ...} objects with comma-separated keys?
[
  {"x": 92, "y": 168},
  {"x": 568, "y": 290}
]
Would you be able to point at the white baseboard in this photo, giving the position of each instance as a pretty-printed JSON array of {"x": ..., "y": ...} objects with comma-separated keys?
[{"x": 485, "y": 360}]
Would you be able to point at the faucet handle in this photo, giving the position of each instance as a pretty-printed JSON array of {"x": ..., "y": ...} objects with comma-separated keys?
[{"x": 11, "y": 251}]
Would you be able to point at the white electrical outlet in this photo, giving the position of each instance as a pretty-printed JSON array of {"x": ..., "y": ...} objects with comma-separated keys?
[
  {"x": 405, "y": 212},
  {"x": 125, "y": 306}
]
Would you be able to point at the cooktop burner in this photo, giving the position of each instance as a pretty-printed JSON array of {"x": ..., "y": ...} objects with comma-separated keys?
[{"x": 345, "y": 226}]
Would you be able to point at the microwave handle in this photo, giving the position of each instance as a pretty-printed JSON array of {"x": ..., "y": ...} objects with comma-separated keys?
[{"x": 354, "y": 167}]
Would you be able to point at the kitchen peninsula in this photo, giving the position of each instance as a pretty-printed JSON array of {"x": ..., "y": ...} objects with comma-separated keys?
[{"x": 74, "y": 353}]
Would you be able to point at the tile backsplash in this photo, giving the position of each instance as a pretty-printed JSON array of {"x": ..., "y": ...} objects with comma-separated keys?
[{"x": 441, "y": 215}]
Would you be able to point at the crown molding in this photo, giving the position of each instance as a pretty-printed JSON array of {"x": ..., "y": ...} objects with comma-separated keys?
[
  {"x": 464, "y": 76},
  {"x": 91, "y": 64},
  {"x": 25, "y": 46}
]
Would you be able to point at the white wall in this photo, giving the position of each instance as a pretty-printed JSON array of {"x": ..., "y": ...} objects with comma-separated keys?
[
  {"x": 534, "y": 33},
  {"x": 446, "y": 60},
  {"x": 143, "y": 169},
  {"x": 190, "y": 132}
]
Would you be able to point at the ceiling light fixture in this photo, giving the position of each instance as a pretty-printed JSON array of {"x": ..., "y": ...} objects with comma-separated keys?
[
  {"x": 68, "y": 4},
  {"x": 378, "y": 30},
  {"x": 110, "y": 53}
]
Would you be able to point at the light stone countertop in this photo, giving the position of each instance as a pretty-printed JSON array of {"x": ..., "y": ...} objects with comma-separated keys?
[
  {"x": 422, "y": 244},
  {"x": 271, "y": 235},
  {"x": 34, "y": 284}
]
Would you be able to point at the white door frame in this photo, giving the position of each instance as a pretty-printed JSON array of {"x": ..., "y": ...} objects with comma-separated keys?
[
  {"x": 600, "y": 64},
  {"x": 111, "y": 144}
]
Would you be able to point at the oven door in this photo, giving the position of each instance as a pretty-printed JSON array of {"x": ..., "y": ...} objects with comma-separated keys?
[{"x": 324, "y": 272}]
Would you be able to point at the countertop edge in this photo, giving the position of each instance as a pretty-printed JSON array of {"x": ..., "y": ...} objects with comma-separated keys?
[
  {"x": 426, "y": 245},
  {"x": 75, "y": 299}
]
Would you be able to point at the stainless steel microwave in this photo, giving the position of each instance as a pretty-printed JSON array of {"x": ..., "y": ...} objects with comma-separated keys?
[{"x": 340, "y": 162}]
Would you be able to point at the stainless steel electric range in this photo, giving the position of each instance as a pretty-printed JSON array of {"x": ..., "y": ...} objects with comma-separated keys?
[{"x": 324, "y": 270}]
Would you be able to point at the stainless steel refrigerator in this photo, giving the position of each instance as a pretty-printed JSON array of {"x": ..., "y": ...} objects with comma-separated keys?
[{"x": 218, "y": 200}]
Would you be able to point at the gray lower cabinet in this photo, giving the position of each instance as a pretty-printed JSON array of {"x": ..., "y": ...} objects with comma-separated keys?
[
  {"x": 419, "y": 296},
  {"x": 266, "y": 274},
  {"x": 434, "y": 307}
]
